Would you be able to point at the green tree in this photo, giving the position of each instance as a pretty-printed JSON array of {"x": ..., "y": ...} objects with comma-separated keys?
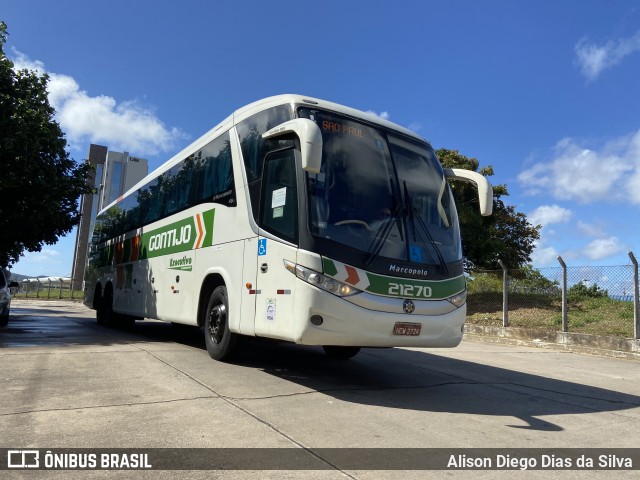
[
  {"x": 580, "y": 291},
  {"x": 505, "y": 235},
  {"x": 40, "y": 184},
  {"x": 529, "y": 280}
]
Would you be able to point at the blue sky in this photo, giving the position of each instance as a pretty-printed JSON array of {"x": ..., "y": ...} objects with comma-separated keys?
[{"x": 547, "y": 92}]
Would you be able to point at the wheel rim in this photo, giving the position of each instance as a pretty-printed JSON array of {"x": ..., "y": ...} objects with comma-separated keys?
[{"x": 217, "y": 320}]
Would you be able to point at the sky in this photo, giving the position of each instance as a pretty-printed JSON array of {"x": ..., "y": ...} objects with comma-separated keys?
[{"x": 546, "y": 92}]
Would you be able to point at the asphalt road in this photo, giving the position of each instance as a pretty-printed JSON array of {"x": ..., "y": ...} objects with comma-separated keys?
[{"x": 68, "y": 383}]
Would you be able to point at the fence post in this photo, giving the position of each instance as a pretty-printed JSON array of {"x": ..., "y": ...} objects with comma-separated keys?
[
  {"x": 636, "y": 297},
  {"x": 565, "y": 320},
  {"x": 60, "y": 292},
  {"x": 505, "y": 294}
]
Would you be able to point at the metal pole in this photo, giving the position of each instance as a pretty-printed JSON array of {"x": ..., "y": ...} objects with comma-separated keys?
[
  {"x": 60, "y": 292},
  {"x": 565, "y": 321},
  {"x": 636, "y": 297},
  {"x": 505, "y": 294}
]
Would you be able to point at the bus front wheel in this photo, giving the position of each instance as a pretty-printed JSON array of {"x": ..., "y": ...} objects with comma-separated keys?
[{"x": 220, "y": 341}]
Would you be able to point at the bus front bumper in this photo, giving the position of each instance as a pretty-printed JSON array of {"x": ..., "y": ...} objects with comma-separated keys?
[{"x": 348, "y": 324}]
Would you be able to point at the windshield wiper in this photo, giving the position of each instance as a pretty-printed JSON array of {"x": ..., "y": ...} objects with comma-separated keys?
[
  {"x": 383, "y": 233},
  {"x": 412, "y": 215}
]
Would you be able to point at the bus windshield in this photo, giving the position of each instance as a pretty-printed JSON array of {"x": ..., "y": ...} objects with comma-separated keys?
[{"x": 382, "y": 194}]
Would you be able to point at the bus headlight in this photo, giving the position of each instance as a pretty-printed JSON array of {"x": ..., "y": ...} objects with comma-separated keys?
[
  {"x": 458, "y": 299},
  {"x": 321, "y": 281}
]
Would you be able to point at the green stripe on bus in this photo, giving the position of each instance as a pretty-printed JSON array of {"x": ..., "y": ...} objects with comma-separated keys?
[
  {"x": 329, "y": 267},
  {"x": 398, "y": 286},
  {"x": 412, "y": 288},
  {"x": 208, "y": 217}
]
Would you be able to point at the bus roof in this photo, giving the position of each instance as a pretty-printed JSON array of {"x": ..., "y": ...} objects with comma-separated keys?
[
  {"x": 248, "y": 110},
  {"x": 255, "y": 107}
]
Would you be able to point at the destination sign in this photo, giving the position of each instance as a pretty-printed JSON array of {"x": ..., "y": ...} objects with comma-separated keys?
[{"x": 336, "y": 127}]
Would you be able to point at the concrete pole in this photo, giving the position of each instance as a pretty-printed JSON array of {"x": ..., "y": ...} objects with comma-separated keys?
[
  {"x": 565, "y": 319},
  {"x": 505, "y": 294},
  {"x": 636, "y": 296}
]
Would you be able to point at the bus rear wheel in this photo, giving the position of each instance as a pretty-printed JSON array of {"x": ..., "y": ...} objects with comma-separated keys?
[
  {"x": 339, "y": 352},
  {"x": 220, "y": 341},
  {"x": 104, "y": 312}
]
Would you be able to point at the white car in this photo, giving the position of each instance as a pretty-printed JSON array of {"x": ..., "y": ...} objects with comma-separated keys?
[{"x": 5, "y": 298}]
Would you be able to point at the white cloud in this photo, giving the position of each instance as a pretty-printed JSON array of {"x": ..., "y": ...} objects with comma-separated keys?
[
  {"x": 593, "y": 59},
  {"x": 101, "y": 119},
  {"x": 576, "y": 172},
  {"x": 590, "y": 229},
  {"x": 43, "y": 260},
  {"x": 603, "y": 248},
  {"x": 47, "y": 254},
  {"x": 384, "y": 115},
  {"x": 547, "y": 214},
  {"x": 544, "y": 256},
  {"x": 415, "y": 126}
]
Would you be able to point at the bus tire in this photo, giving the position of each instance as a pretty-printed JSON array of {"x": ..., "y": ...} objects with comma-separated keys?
[
  {"x": 104, "y": 312},
  {"x": 220, "y": 341},
  {"x": 336, "y": 352}
]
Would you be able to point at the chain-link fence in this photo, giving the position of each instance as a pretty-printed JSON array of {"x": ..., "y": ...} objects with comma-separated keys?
[
  {"x": 594, "y": 300},
  {"x": 49, "y": 288}
]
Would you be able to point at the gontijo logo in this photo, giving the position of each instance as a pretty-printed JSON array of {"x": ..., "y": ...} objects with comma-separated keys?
[
  {"x": 170, "y": 238},
  {"x": 186, "y": 234}
]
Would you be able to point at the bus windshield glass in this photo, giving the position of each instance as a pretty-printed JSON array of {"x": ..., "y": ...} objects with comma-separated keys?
[{"x": 382, "y": 194}]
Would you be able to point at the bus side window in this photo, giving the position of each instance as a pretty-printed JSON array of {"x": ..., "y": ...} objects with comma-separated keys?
[
  {"x": 279, "y": 203},
  {"x": 254, "y": 147},
  {"x": 218, "y": 172}
]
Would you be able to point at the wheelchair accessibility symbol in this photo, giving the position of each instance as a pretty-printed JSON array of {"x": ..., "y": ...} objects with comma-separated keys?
[{"x": 262, "y": 247}]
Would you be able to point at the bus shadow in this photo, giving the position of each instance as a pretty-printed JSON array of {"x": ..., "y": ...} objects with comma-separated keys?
[
  {"x": 36, "y": 326},
  {"x": 421, "y": 381},
  {"x": 391, "y": 378},
  {"x": 411, "y": 380}
]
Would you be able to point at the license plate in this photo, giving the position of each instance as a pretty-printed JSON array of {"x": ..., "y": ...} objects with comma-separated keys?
[{"x": 405, "y": 328}]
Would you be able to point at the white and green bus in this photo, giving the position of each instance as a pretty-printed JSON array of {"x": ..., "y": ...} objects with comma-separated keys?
[{"x": 294, "y": 219}]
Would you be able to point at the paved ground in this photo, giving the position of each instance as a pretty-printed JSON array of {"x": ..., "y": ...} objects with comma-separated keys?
[{"x": 67, "y": 383}]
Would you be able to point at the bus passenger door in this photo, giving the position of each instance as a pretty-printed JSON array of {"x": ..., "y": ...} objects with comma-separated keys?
[{"x": 278, "y": 217}]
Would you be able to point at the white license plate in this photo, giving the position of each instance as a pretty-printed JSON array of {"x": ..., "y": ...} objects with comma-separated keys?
[{"x": 407, "y": 329}]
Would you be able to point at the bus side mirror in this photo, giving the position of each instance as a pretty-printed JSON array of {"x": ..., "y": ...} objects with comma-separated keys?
[
  {"x": 485, "y": 190},
  {"x": 310, "y": 141}
]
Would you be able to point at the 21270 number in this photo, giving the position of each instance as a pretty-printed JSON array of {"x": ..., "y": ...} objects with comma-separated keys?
[{"x": 410, "y": 290}]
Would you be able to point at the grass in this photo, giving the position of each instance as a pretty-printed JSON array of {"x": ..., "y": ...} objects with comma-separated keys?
[
  {"x": 53, "y": 294},
  {"x": 597, "y": 316}
]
